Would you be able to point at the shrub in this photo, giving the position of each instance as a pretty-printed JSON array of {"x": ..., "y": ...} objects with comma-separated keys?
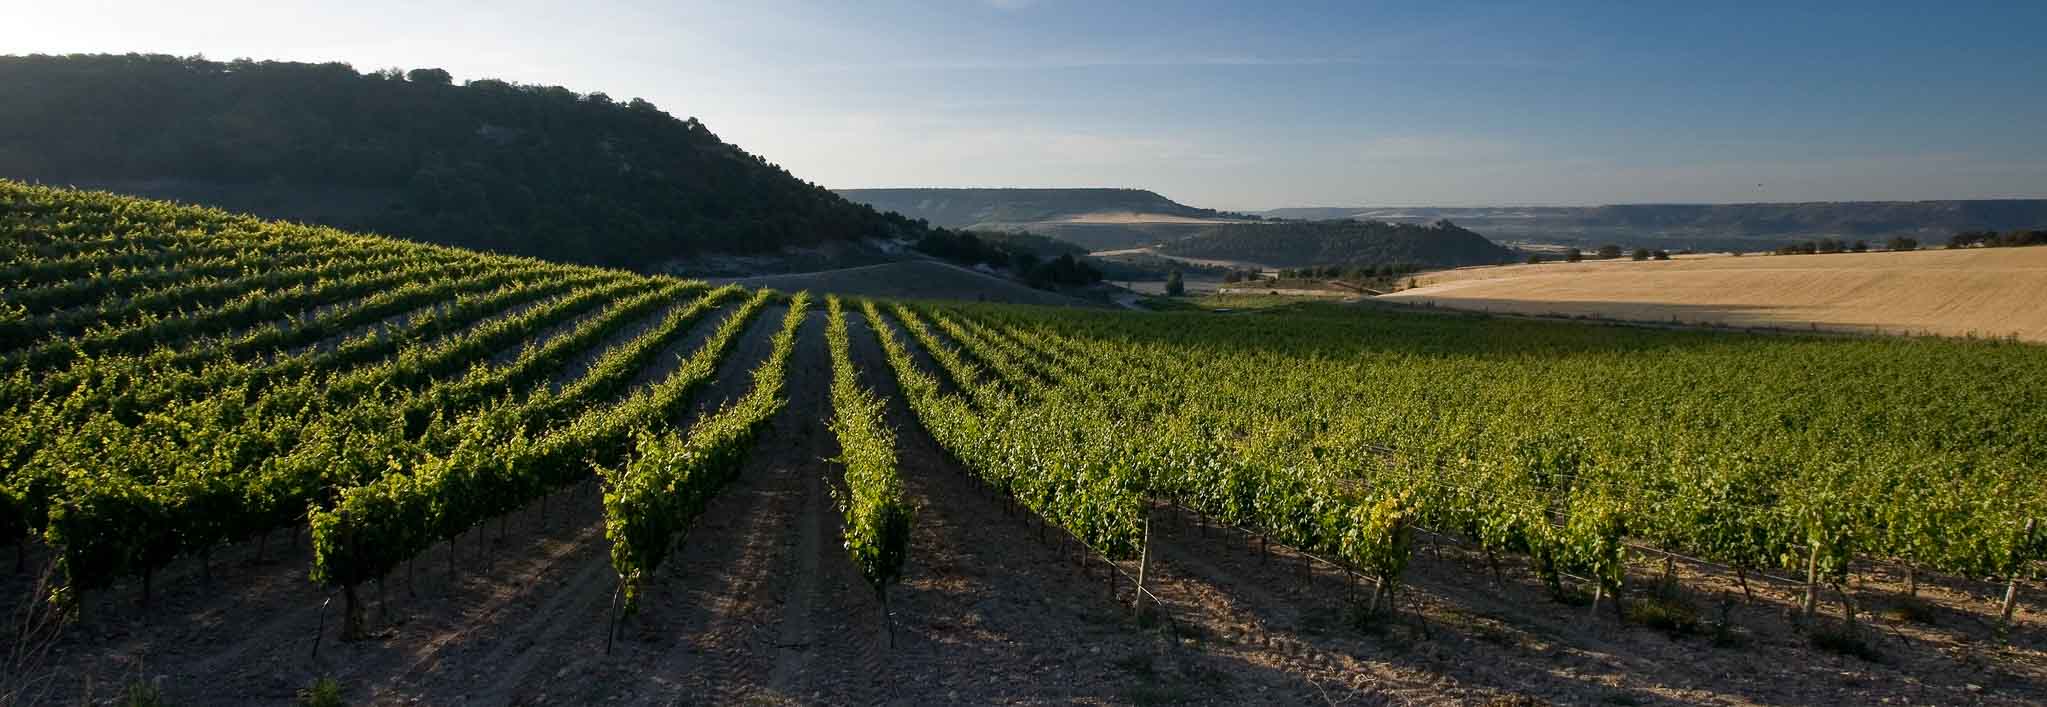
[
  {"x": 324, "y": 692},
  {"x": 142, "y": 694},
  {"x": 1836, "y": 639}
]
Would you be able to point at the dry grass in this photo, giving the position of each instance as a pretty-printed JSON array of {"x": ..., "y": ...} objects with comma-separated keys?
[{"x": 1992, "y": 292}]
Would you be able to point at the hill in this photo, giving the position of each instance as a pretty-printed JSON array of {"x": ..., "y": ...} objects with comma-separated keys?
[
  {"x": 983, "y": 208},
  {"x": 1304, "y": 243},
  {"x": 1981, "y": 291},
  {"x": 1760, "y": 226},
  {"x": 529, "y": 170},
  {"x": 1094, "y": 219}
]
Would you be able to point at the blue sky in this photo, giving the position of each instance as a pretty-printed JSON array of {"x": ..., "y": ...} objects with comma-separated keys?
[{"x": 1238, "y": 105}]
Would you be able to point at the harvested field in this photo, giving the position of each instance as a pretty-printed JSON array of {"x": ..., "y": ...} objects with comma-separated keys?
[{"x": 1986, "y": 292}]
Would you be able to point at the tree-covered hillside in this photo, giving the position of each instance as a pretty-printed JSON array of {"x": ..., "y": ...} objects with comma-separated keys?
[
  {"x": 1303, "y": 243},
  {"x": 960, "y": 208},
  {"x": 531, "y": 170}
]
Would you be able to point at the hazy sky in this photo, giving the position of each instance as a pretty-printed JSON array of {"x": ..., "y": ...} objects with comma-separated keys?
[{"x": 1240, "y": 104}]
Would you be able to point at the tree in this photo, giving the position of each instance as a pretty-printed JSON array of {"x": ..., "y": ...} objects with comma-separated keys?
[
  {"x": 1640, "y": 254},
  {"x": 431, "y": 77},
  {"x": 1174, "y": 286},
  {"x": 1862, "y": 246},
  {"x": 1023, "y": 262},
  {"x": 1534, "y": 258},
  {"x": 1609, "y": 252},
  {"x": 1903, "y": 243},
  {"x": 1661, "y": 255},
  {"x": 1574, "y": 255}
]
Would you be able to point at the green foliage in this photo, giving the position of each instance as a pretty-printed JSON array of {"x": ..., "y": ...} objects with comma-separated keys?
[
  {"x": 877, "y": 517},
  {"x": 531, "y": 170},
  {"x": 142, "y": 694},
  {"x": 1344, "y": 242},
  {"x": 669, "y": 478},
  {"x": 1038, "y": 260},
  {"x": 185, "y": 416},
  {"x": 1564, "y": 443},
  {"x": 324, "y": 692}
]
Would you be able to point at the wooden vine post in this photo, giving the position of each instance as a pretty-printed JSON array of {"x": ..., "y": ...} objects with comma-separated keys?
[
  {"x": 351, "y": 609},
  {"x": 2011, "y": 588},
  {"x": 1812, "y": 572},
  {"x": 1143, "y": 559}
]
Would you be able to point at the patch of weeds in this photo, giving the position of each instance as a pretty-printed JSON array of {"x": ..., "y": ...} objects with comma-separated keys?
[
  {"x": 1571, "y": 596},
  {"x": 1368, "y": 622},
  {"x": 1911, "y": 610},
  {"x": 142, "y": 694},
  {"x": 1836, "y": 639},
  {"x": 324, "y": 692},
  {"x": 1389, "y": 630},
  {"x": 1672, "y": 615},
  {"x": 1722, "y": 631}
]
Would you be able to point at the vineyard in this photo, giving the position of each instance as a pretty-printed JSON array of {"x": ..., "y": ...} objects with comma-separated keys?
[{"x": 242, "y": 455}]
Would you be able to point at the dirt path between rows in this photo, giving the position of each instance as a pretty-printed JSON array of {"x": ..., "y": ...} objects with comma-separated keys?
[{"x": 985, "y": 613}]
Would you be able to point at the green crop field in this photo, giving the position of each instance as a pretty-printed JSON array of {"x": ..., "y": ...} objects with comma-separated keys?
[{"x": 183, "y": 384}]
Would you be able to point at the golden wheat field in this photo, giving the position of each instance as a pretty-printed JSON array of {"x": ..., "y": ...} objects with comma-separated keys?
[{"x": 1991, "y": 292}]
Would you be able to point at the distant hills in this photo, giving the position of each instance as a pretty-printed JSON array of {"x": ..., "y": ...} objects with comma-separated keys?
[
  {"x": 531, "y": 170},
  {"x": 1094, "y": 219},
  {"x": 1293, "y": 244},
  {"x": 997, "y": 208},
  {"x": 1711, "y": 226},
  {"x": 1123, "y": 219}
]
